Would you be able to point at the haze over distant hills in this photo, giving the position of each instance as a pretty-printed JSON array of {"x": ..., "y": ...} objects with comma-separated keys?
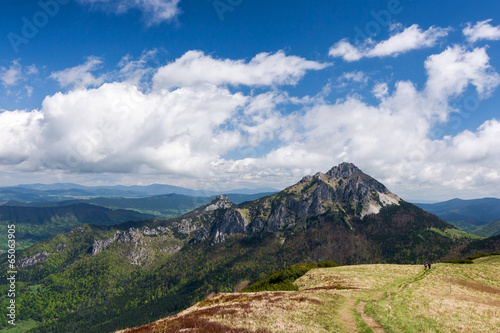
[
  {"x": 39, "y": 220},
  {"x": 65, "y": 191},
  {"x": 477, "y": 216}
]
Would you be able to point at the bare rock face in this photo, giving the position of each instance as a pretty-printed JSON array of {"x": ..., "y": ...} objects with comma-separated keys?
[
  {"x": 280, "y": 219},
  {"x": 188, "y": 225},
  {"x": 138, "y": 256},
  {"x": 343, "y": 170},
  {"x": 219, "y": 202},
  {"x": 344, "y": 189},
  {"x": 171, "y": 249},
  {"x": 33, "y": 259},
  {"x": 346, "y": 185},
  {"x": 231, "y": 223},
  {"x": 132, "y": 235}
]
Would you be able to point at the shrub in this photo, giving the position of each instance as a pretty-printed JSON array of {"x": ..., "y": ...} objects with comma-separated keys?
[
  {"x": 459, "y": 261},
  {"x": 481, "y": 255},
  {"x": 469, "y": 259},
  {"x": 284, "y": 279}
]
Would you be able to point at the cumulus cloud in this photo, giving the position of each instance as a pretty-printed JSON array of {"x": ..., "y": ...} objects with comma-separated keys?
[
  {"x": 194, "y": 119},
  {"x": 265, "y": 69},
  {"x": 452, "y": 70},
  {"x": 409, "y": 39},
  {"x": 393, "y": 140},
  {"x": 481, "y": 30},
  {"x": 115, "y": 127},
  {"x": 80, "y": 76},
  {"x": 19, "y": 132},
  {"x": 154, "y": 11}
]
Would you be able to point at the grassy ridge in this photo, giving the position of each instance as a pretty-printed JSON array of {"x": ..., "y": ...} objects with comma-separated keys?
[{"x": 400, "y": 298}]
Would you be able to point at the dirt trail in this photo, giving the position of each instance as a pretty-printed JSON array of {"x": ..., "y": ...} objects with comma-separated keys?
[
  {"x": 376, "y": 327},
  {"x": 346, "y": 315}
]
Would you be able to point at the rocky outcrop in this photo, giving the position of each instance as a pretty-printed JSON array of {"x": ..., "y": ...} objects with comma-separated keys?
[
  {"x": 60, "y": 247},
  {"x": 171, "y": 249},
  {"x": 219, "y": 202},
  {"x": 344, "y": 170},
  {"x": 188, "y": 225},
  {"x": 138, "y": 256},
  {"x": 33, "y": 259},
  {"x": 132, "y": 235},
  {"x": 231, "y": 223},
  {"x": 344, "y": 189},
  {"x": 280, "y": 219}
]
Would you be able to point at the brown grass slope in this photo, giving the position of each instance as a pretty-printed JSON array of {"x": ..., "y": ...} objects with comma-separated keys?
[{"x": 392, "y": 298}]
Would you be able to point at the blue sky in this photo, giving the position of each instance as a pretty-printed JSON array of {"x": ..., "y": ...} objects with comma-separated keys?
[{"x": 221, "y": 94}]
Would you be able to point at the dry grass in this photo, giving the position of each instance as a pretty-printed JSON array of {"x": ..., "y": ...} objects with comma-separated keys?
[
  {"x": 401, "y": 298},
  {"x": 450, "y": 298}
]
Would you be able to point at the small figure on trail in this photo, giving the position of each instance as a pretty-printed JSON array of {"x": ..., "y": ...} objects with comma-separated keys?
[
  {"x": 429, "y": 265},
  {"x": 425, "y": 266}
]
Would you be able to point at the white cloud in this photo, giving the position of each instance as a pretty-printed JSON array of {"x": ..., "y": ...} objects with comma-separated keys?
[
  {"x": 355, "y": 76},
  {"x": 31, "y": 70},
  {"x": 189, "y": 125},
  {"x": 19, "y": 131},
  {"x": 477, "y": 147},
  {"x": 154, "y": 11},
  {"x": 116, "y": 128},
  {"x": 411, "y": 38},
  {"x": 135, "y": 71},
  {"x": 481, "y": 30},
  {"x": 12, "y": 75},
  {"x": 393, "y": 140},
  {"x": 451, "y": 71},
  {"x": 380, "y": 90},
  {"x": 346, "y": 50},
  {"x": 265, "y": 69},
  {"x": 29, "y": 90},
  {"x": 80, "y": 76}
]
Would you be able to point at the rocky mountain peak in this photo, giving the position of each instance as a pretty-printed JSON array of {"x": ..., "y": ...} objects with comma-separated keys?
[
  {"x": 344, "y": 186},
  {"x": 344, "y": 170},
  {"x": 219, "y": 202}
]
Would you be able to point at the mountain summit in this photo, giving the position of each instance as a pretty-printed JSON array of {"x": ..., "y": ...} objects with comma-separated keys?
[
  {"x": 344, "y": 191},
  {"x": 355, "y": 192}
]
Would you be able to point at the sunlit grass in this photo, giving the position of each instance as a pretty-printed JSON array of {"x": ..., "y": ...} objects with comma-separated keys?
[{"x": 402, "y": 298}]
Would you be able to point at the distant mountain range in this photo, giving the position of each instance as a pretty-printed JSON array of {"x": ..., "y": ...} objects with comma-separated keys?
[
  {"x": 39, "y": 220},
  {"x": 67, "y": 191},
  {"x": 478, "y": 216},
  {"x": 102, "y": 278},
  {"x": 34, "y": 224}
]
